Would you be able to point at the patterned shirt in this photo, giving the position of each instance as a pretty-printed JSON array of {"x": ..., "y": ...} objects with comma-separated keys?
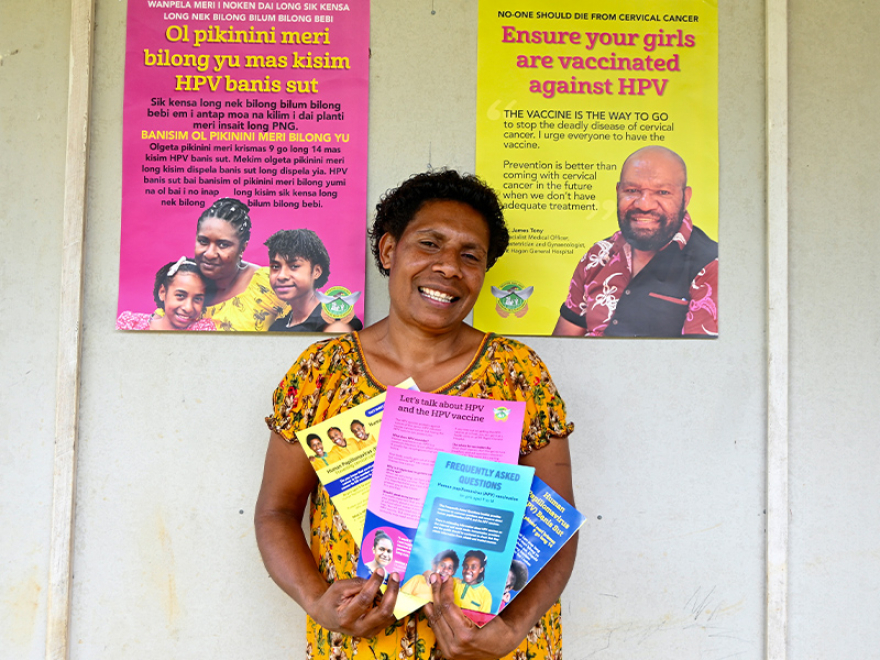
[{"x": 605, "y": 272}]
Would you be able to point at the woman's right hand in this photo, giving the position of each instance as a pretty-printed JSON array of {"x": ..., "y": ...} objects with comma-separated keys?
[{"x": 350, "y": 606}]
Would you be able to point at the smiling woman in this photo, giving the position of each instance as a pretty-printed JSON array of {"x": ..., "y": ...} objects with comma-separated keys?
[
  {"x": 240, "y": 296},
  {"x": 434, "y": 237}
]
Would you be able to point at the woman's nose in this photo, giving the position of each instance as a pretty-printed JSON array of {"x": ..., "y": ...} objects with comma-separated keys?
[{"x": 448, "y": 263}]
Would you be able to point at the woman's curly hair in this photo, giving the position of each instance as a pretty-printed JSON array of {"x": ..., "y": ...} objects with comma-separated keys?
[{"x": 398, "y": 207}]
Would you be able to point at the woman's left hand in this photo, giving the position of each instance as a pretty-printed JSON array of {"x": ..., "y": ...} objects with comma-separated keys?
[{"x": 458, "y": 637}]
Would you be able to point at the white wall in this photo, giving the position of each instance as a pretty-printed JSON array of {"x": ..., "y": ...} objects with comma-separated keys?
[
  {"x": 670, "y": 438},
  {"x": 835, "y": 362},
  {"x": 33, "y": 107}
]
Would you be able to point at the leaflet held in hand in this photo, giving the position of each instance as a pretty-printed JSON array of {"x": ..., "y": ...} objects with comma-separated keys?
[
  {"x": 415, "y": 427},
  {"x": 471, "y": 519}
]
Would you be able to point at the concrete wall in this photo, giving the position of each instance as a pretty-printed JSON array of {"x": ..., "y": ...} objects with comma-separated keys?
[
  {"x": 670, "y": 439},
  {"x": 33, "y": 120},
  {"x": 835, "y": 362}
]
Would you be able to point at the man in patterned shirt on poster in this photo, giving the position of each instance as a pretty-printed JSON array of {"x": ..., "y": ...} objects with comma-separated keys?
[{"x": 658, "y": 275}]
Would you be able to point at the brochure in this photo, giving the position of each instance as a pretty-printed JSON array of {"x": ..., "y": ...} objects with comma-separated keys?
[
  {"x": 469, "y": 524},
  {"x": 342, "y": 449},
  {"x": 417, "y": 425},
  {"x": 549, "y": 523}
]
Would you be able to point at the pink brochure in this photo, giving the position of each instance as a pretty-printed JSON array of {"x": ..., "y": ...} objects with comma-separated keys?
[{"x": 415, "y": 426}]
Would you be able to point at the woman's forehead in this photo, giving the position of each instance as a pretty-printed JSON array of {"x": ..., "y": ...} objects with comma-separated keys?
[
  {"x": 218, "y": 227},
  {"x": 450, "y": 218}
]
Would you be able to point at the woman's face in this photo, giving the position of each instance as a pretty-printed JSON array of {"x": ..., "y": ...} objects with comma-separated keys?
[
  {"x": 437, "y": 266},
  {"x": 471, "y": 570},
  {"x": 218, "y": 248},
  {"x": 317, "y": 446},
  {"x": 511, "y": 580},
  {"x": 292, "y": 279},
  {"x": 183, "y": 299},
  {"x": 445, "y": 568},
  {"x": 383, "y": 550}
]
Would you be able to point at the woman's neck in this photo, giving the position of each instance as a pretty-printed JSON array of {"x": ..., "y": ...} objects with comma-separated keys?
[
  {"x": 231, "y": 285},
  {"x": 301, "y": 309},
  {"x": 223, "y": 285},
  {"x": 396, "y": 351},
  {"x": 161, "y": 322}
]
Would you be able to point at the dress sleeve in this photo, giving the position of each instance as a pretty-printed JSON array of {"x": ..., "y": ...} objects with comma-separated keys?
[
  {"x": 545, "y": 409},
  {"x": 295, "y": 399}
]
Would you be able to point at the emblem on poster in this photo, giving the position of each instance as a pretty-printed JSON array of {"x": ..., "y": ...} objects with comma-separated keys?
[
  {"x": 337, "y": 304},
  {"x": 511, "y": 298}
]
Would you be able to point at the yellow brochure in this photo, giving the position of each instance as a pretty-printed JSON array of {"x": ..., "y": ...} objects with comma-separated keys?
[{"x": 342, "y": 449}]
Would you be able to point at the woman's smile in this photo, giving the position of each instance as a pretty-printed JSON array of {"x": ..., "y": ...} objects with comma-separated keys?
[{"x": 437, "y": 296}]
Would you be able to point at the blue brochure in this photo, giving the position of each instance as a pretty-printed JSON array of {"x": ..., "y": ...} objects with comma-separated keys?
[
  {"x": 548, "y": 524},
  {"x": 468, "y": 529}
]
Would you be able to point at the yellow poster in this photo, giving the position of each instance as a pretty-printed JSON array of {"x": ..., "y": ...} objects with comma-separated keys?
[{"x": 597, "y": 123}]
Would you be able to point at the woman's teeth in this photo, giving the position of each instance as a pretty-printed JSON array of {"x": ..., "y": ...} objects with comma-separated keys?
[{"x": 435, "y": 295}]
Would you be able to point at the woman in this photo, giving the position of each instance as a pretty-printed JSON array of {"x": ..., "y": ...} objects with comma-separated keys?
[
  {"x": 320, "y": 459},
  {"x": 383, "y": 552},
  {"x": 470, "y": 592},
  {"x": 241, "y": 297},
  {"x": 445, "y": 565},
  {"x": 299, "y": 265},
  {"x": 179, "y": 293},
  {"x": 434, "y": 237}
]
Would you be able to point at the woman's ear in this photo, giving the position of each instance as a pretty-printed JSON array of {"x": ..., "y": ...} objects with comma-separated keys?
[
  {"x": 162, "y": 293},
  {"x": 386, "y": 250}
]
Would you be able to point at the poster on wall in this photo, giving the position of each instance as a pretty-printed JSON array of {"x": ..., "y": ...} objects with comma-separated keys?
[
  {"x": 597, "y": 123},
  {"x": 244, "y": 166}
]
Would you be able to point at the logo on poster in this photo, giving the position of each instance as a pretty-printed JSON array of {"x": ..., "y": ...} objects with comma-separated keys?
[
  {"x": 337, "y": 304},
  {"x": 511, "y": 298},
  {"x": 501, "y": 413}
]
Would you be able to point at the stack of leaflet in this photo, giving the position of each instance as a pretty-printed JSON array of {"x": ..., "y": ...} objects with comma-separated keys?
[
  {"x": 440, "y": 491},
  {"x": 447, "y": 495}
]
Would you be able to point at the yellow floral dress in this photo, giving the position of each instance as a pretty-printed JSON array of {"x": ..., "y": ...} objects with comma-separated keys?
[
  {"x": 332, "y": 376},
  {"x": 255, "y": 308}
]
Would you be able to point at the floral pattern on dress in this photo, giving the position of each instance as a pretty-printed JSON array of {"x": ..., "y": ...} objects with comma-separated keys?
[
  {"x": 332, "y": 376},
  {"x": 255, "y": 308}
]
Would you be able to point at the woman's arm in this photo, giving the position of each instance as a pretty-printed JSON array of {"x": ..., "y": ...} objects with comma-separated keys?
[
  {"x": 458, "y": 637},
  {"x": 346, "y": 606}
]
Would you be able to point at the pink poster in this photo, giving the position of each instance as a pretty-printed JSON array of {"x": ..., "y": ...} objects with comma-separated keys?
[{"x": 244, "y": 122}]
